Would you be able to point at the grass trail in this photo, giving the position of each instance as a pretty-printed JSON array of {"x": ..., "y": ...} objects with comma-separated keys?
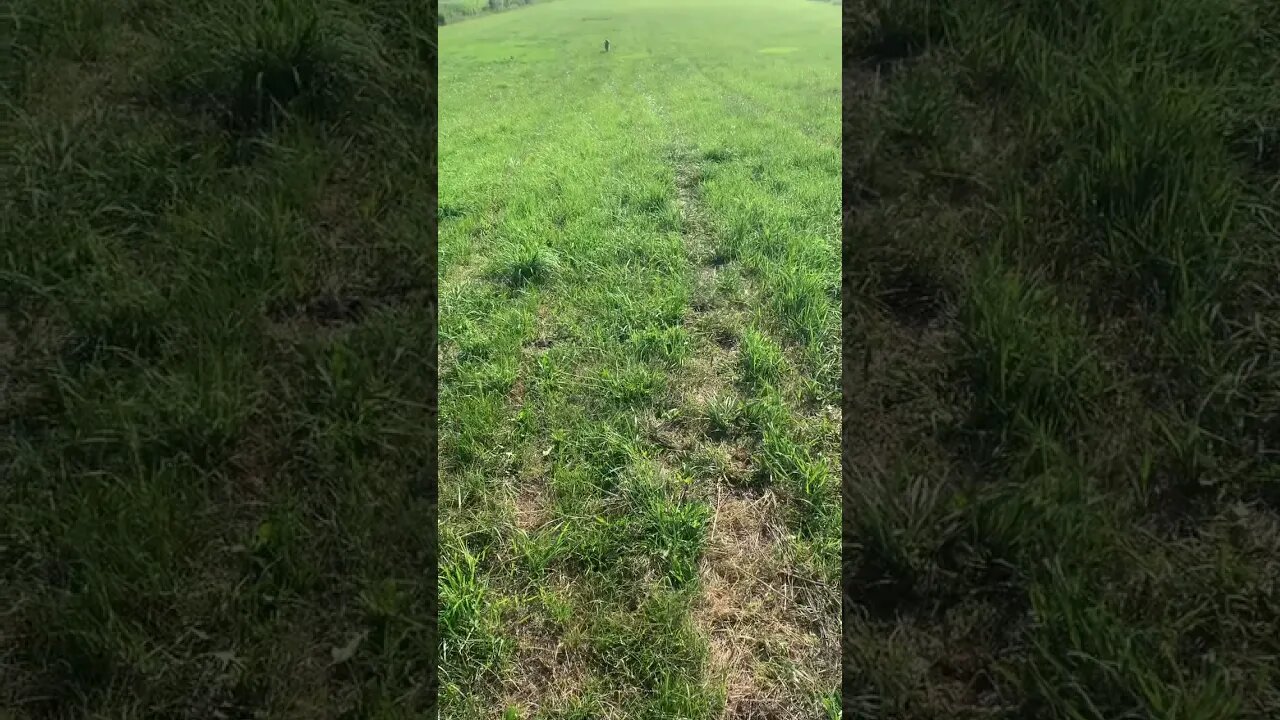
[{"x": 639, "y": 342}]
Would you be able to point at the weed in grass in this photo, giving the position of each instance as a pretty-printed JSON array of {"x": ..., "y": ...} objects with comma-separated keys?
[
  {"x": 677, "y": 698},
  {"x": 292, "y": 58},
  {"x": 525, "y": 263},
  {"x": 600, "y": 545},
  {"x": 761, "y": 358},
  {"x": 790, "y": 467},
  {"x": 275, "y": 556},
  {"x": 717, "y": 463},
  {"x": 1152, "y": 178},
  {"x": 723, "y": 412},
  {"x": 1029, "y": 358},
  {"x": 903, "y": 522},
  {"x": 728, "y": 247},
  {"x": 921, "y": 109},
  {"x": 605, "y": 450},
  {"x": 631, "y": 384},
  {"x": 764, "y": 412},
  {"x": 669, "y": 345},
  {"x": 538, "y": 550},
  {"x": 672, "y": 529},
  {"x": 831, "y": 705},
  {"x": 470, "y": 644},
  {"x": 802, "y": 300}
]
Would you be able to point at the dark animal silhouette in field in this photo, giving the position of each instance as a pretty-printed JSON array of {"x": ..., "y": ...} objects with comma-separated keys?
[{"x": 606, "y": 46}]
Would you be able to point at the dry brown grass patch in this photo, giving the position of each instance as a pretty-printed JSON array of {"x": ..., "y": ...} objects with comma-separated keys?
[
  {"x": 549, "y": 666},
  {"x": 761, "y": 643}
]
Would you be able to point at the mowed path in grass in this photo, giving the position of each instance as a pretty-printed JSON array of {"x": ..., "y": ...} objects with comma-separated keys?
[{"x": 639, "y": 344}]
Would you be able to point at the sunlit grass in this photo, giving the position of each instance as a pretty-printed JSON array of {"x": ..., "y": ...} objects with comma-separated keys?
[{"x": 641, "y": 244}]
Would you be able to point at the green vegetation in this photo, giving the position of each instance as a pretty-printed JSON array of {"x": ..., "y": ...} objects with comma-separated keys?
[
  {"x": 216, "y": 359},
  {"x": 455, "y": 10},
  {"x": 638, "y": 374},
  {"x": 1063, "y": 482}
]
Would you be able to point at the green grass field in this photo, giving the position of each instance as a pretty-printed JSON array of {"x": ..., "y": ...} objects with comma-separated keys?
[
  {"x": 1061, "y": 416},
  {"x": 455, "y": 10},
  {"x": 1062, "y": 457},
  {"x": 217, "y": 282},
  {"x": 639, "y": 376}
]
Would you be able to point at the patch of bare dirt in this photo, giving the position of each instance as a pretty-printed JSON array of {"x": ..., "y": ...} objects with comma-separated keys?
[{"x": 531, "y": 506}]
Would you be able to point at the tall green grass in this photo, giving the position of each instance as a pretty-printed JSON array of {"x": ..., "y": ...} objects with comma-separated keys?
[
  {"x": 217, "y": 354},
  {"x": 1081, "y": 188}
]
